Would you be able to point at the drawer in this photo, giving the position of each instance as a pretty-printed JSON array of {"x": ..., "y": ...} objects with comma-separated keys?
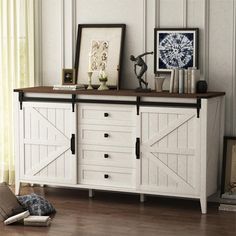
[
  {"x": 106, "y": 115},
  {"x": 106, "y": 135},
  {"x": 114, "y": 177},
  {"x": 106, "y": 156}
]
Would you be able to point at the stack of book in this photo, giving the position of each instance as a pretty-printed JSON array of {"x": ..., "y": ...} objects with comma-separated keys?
[
  {"x": 227, "y": 207},
  {"x": 69, "y": 87},
  {"x": 228, "y": 202},
  {"x": 184, "y": 80},
  {"x": 26, "y": 219},
  {"x": 37, "y": 220}
]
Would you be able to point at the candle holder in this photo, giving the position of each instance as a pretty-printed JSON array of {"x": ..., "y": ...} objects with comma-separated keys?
[
  {"x": 90, "y": 73},
  {"x": 103, "y": 85}
]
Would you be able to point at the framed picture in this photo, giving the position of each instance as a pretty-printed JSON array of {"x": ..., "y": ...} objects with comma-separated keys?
[
  {"x": 175, "y": 48},
  {"x": 99, "y": 48},
  {"x": 68, "y": 76},
  {"x": 228, "y": 184}
]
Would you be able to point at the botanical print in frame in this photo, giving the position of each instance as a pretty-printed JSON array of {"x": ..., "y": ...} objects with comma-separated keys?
[
  {"x": 99, "y": 55},
  {"x": 99, "y": 47},
  {"x": 175, "y": 48}
]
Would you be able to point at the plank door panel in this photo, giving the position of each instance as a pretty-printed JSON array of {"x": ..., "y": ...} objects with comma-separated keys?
[
  {"x": 169, "y": 158},
  {"x": 45, "y": 143}
]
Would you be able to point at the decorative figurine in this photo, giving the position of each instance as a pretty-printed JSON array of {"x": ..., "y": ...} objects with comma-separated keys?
[
  {"x": 143, "y": 68},
  {"x": 90, "y": 87},
  {"x": 103, "y": 79}
]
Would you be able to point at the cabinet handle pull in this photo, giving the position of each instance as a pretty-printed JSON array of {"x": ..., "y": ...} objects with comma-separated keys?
[
  {"x": 106, "y": 155},
  {"x": 106, "y": 176},
  {"x": 106, "y": 135},
  {"x": 106, "y": 114},
  {"x": 72, "y": 144},
  {"x": 137, "y": 148}
]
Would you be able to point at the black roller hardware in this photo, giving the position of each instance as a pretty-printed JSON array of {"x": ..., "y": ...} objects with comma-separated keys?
[
  {"x": 106, "y": 114},
  {"x": 199, "y": 104},
  {"x": 106, "y": 135},
  {"x": 138, "y": 100},
  {"x": 106, "y": 155},
  {"x": 21, "y": 99},
  {"x": 73, "y": 102}
]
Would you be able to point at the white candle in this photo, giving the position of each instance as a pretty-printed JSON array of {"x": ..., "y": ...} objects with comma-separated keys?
[
  {"x": 90, "y": 66},
  {"x": 101, "y": 73}
]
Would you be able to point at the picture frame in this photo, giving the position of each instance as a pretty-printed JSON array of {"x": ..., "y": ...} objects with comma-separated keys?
[
  {"x": 99, "y": 47},
  {"x": 68, "y": 77},
  {"x": 175, "y": 48},
  {"x": 228, "y": 179}
]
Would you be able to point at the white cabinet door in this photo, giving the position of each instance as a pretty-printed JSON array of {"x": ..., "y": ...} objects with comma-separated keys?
[
  {"x": 45, "y": 143},
  {"x": 170, "y": 151}
]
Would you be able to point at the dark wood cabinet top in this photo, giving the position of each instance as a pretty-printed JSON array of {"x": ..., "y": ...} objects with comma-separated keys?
[{"x": 123, "y": 92}]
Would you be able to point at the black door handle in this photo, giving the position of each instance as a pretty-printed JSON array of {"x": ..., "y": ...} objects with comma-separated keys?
[
  {"x": 137, "y": 148},
  {"x": 106, "y": 114},
  {"x": 106, "y": 135},
  {"x": 106, "y": 176},
  {"x": 106, "y": 155},
  {"x": 72, "y": 144}
]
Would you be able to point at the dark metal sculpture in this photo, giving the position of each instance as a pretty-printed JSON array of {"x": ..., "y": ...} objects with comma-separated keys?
[{"x": 139, "y": 62}]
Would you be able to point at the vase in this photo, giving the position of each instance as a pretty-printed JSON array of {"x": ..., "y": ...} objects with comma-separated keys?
[
  {"x": 201, "y": 86},
  {"x": 159, "y": 80}
]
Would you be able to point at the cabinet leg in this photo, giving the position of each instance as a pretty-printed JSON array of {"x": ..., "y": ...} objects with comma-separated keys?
[
  {"x": 91, "y": 193},
  {"x": 17, "y": 187},
  {"x": 41, "y": 185},
  {"x": 203, "y": 203},
  {"x": 31, "y": 185},
  {"x": 142, "y": 198}
]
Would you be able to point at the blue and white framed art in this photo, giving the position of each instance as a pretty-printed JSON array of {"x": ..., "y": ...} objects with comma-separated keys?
[{"x": 175, "y": 48}]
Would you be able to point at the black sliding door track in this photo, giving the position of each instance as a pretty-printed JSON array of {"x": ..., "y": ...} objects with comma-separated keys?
[{"x": 73, "y": 100}]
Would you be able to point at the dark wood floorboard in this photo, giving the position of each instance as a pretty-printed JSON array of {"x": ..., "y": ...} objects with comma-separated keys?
[{"x": 122, "y": 214}]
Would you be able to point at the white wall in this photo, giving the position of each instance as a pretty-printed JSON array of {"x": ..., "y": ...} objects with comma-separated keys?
[{"x": 215, "y": 18}]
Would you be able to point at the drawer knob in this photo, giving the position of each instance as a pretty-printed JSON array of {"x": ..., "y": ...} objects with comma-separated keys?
[
  {"x": 106, "y": 176},
  {"x": 106, "y": 135},
  {"x": 106, "y": 155},
  {"x": 106, "y": 114}
]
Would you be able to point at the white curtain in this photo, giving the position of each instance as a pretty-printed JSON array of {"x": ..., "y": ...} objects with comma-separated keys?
[{"x": 16, "y": 70}]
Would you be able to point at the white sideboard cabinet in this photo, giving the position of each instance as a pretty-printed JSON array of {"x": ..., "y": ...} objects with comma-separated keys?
[{"x": 146, "y": 143}]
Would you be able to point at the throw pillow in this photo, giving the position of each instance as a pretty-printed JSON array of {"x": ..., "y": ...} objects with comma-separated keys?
[
  {"x": 9, "y": 204},
  {"x": 37, "y": 205}
]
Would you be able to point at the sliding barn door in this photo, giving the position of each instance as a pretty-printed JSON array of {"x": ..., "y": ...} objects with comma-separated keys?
[
  {"x": 170, "y": 159},
  {"x": 45, "y": 143}
]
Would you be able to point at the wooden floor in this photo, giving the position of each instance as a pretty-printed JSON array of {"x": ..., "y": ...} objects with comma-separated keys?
[{"x": 122, "y": 214}]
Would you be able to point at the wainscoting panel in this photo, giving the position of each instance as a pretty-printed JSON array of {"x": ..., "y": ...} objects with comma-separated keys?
[
  {"x": 52, "y": 41},
  {"x": 68, "y": 31},
  {"x": 171, "y": 13},
  {"x": 151, "y": 22},
  {"x": 195, "y": 19},
  {"x": 221, "y": 54}
]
